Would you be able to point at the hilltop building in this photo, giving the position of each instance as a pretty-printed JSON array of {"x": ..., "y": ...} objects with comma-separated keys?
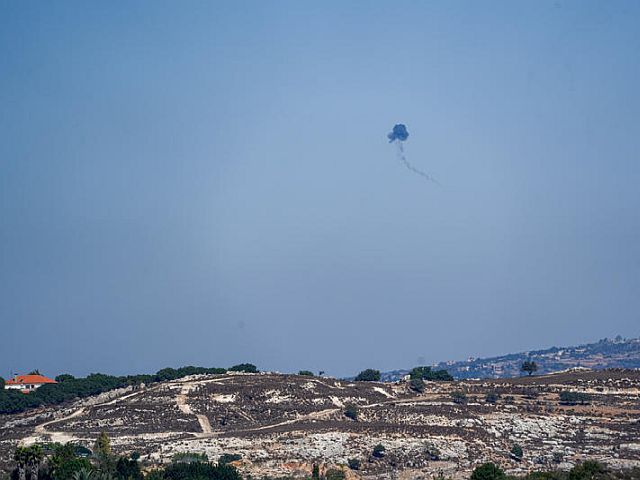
[{"x": 27, "y": 383}]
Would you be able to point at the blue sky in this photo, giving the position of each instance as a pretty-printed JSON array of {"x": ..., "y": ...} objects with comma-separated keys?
[{"x": 210, "y": 182}]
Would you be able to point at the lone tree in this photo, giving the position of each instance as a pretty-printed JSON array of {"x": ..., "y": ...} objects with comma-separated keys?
[
  {"x": 488, "y": 471},
  {"x": 529, "y": 367},
  {"x": 306, "y": 373},
  {"x": 368, "y": 375},
  {"x": 351, "y": 411},
  {"x": 102, "y": 447},
  {"x": 516, "y": 452},
  {"x": 378, "y": 451}
]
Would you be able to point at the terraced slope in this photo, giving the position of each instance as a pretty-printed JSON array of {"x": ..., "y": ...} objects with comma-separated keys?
[{"x": 282, "y": 424}]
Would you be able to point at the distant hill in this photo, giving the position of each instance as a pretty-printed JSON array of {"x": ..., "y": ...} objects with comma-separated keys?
[{"x": 606, "y": 353}]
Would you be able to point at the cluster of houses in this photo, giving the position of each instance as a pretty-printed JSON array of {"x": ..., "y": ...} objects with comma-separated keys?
[{"x": 27, "y": 383}]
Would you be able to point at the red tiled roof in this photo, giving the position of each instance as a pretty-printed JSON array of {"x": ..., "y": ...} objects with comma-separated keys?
[{"x": 29, "y": 380}]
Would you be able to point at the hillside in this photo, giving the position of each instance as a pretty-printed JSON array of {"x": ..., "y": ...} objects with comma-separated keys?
[
  {"x": 616, "y": 353},
  {"x": 282, "y": 424}
]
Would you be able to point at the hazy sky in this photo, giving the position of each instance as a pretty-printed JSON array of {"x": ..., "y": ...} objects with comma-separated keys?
[{"x": 210, "y": 182}]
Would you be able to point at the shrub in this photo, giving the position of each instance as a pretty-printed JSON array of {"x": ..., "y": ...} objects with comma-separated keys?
[
  {"x": 368, "y": 375},
  {"x": 334, "y": 474},
  {"x": 529, "y": 367},
  {"x": 378, "y": 451},
  {"x": 200, "y": 471},
  {"x": 574, "y": 398},
  {"x": 587, "y": 471},
  {"x": 492, "y": 397},
  {"x": 226, "y": 458},
  {"x": 306, "y": 373},
  {"x": 354, "y": 463},
  {"x": 488, "y": 471},
  {"x": 351, "y": 411},
  {"x": 459, "y": 397},
  {"x": 417, "y": 385},
  {"x": 427, "y": 373},
  {"x": 516, "y": 452},
  {"x": 244, "y": 367}
]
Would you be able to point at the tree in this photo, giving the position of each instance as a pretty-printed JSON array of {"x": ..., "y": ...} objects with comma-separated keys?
[
  {"x": 103, "y": 444},
  {"x": 315, "y": 472},
  {"x": 459, "y": 397},
  {"x": 368, "y": 375},
  {"x": 64, "y": 377},
  {"x": 427, "y": 373},
  {"x": 129, "y": 468},
  {"x": 2, "y": 383},
  {"x": 351, "y": 411},
  {"x": 417, "y": 385},
  {"x": 306, "y": 373},
  {"x": 354, "y": 463},
  {"x": 334, "y": 474},
  {"x": 226, "y": 458},
  {"x": 516, "y": 452},
  {"x": 529, "y": 367},
  {"x": 574, "y": 398},
  {"x": 35, "y": 372},
  {"x": 488, "y": 471},
  {"x": 378, "y": 451},
  {"x": 492, "y": 397},
  {"x": 28, "y": 460},
  {"x": 244, "y": 367}
]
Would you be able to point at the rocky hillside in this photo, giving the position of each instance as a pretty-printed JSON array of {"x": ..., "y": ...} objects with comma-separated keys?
[
  {"x": 283, "y": 424},
  {"x": 607, "y": 353}
]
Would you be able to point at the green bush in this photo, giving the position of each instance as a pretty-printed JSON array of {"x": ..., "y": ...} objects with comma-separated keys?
[
  {"x": 354, "y": 463},
  {"x": 427, "y": 373},
  {"x": 378, "y": 451},
  {"x": 492, "y": 397},
  {"x": 368, "y": 375},
  {"x": 226, "y": 458},
  {"x": 459, "y": 397},
  {"x": 351, "y": 411},
  {"x": 417, "y": 385},
  {"x": 306, "y": 373},
  {"x": 244, "y": 367},
  {"x": 334, "y": 474},
  {"x": 574, "y": 398},
  {"x": 488, "y": 471},
  {"x": 516, "y": 452}
]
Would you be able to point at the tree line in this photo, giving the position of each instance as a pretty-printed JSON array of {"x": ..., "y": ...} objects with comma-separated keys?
[{"x": 71, "y": 388}]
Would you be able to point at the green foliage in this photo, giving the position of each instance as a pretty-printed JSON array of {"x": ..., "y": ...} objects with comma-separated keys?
[
  {"x": 129, "y": 468},
  {"x": 492, "y": 397},
  {"x": 589, "y": 470},
  {"x": 368, "y": 375},
  {"x": 574, "y": 398},
  {"x": 2, "y": 383},
  {"x": 417, "y": 385},
  {"x": 529, "y": 367},
  {"x": 516, "y": 452},
  {"x": 378, "y": 451},
  {"x": 334, "y": 474},
  {"x": 189, "y": 457},
  {"x": 427, "y": 373},
  {"x": 34, "y": 372},
  {"x": 64, "y": 377},
  {"x": 351, "y": 411},
  {"x": 226, "y": 458},
  {"x": 488, "y": 471},
  {"x": 103, "y": 444},
  {"x": 67, "y": 469},
  {"x": 244, "y": 367},
  {"x": 315, "y": 472},
  {"x": 306, "y": 373},
  {"x": 70, "y": 388},
  {"x": 354, "y": 464},
  {"x": 200, "y": 471},
  {"x": 459, "y": 397}
]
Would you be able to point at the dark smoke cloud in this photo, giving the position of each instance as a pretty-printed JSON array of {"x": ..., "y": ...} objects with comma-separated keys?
[
  {"x": 398, "y": 135},
  {"x": 399, "y": 132}
]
